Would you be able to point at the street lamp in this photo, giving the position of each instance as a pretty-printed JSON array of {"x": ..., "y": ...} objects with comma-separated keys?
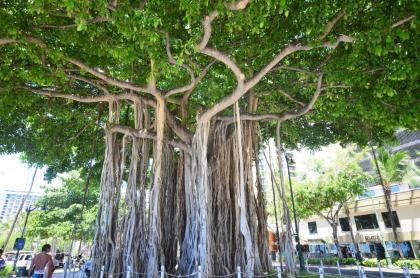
[
  {"x": 290, "y": 162},
  {"x": 28, "y": 210}
]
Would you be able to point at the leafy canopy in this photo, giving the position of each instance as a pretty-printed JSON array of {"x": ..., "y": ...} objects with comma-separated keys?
[{"x": 369, "y": 82}]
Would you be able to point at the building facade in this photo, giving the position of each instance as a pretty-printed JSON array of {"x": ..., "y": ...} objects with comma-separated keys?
[
  {"x": 10, "y": 201},
  {"x": 368, "y": 219}
]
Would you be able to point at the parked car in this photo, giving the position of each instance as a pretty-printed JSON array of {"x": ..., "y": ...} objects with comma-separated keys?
[{"x": 24, "y": 262}]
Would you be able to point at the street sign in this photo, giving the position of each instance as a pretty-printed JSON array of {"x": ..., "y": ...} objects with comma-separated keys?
[{"x": 19, "y": 243}]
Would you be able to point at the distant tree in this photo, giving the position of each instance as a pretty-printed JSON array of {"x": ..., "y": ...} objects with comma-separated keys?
[
  {"x": 330, "y": 192},
  {"x": 63, "y": 209}
]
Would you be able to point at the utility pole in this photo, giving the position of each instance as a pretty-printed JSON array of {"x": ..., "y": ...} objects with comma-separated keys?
[
  {"x": 29, "y": 209},
  {"x": 289, "y": 161}
]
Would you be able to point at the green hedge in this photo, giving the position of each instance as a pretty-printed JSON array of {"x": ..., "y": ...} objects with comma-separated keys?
[
  {"x": 412, "y": 264},
  {"x": 6, "y": 271},
  {"x": 332, "y": 261}
]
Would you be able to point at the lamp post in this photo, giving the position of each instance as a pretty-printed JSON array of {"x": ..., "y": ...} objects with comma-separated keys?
[
  {"x": 28, "y": 210},
  {"x": 289, "y": 162}
]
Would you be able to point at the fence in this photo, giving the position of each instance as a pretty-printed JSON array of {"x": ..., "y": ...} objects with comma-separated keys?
[{"x": 360, "y": 273}]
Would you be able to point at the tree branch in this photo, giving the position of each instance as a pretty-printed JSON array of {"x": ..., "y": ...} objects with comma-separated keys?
[
  {"x": 284, "y": 93},
  {"x": 330, "y": 25},
  {"x": 238, "y": 5},
  {"x": 187, "y": 68},
  {"x": 114, "y": 82},
  {"x": 95, "y": 20},
  {"x": 179, "y": 130},
  {"x": 86, "y": 80},
  {"x": 402, "y": 21},
  {"x": 282, "y": 116},
  {"x": 294, "y": 69},
  {"x": 146, "y": 134},
  {"x": 187, "y": 95}
]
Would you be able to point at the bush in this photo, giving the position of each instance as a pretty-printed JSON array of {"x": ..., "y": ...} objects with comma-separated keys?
[
  {"x": 412, "y": 264},
  {"x": 6, "y": 271},
  {"x": 370, "y": 262},
  {"x": 348, "y": 261}
]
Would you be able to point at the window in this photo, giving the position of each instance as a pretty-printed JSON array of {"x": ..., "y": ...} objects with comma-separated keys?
[
  {"x": 367, "y": 221},
  {"x": 386, "y": 219},
  {"x": 395, "y": 188},
  {"x": 312, "y": 228},
  {"x": 367, "y": 194},
  {"x": 344, "y": 224}
]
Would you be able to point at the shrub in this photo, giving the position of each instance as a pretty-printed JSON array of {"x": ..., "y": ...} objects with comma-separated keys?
[
  {"x": 349, "y": 261},
  {"x": 412, "y": 264},
  {"x": 6, "y": 271},
  {"x": 370, "y": 262}
]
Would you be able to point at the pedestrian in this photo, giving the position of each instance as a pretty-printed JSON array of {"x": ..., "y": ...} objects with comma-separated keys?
[
  {"x": 42, "y": 265},
  {"x": 2, "y": 261}
]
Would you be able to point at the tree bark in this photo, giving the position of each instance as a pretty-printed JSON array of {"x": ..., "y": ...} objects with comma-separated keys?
[
  {"x": 353, "y": 240},
  {"x": 288, "y": 250}
]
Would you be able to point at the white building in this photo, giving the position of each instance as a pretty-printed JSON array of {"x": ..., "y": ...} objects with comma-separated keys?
[
  {"x": 370, "y": 225},
  {"x": 10, "y": 201}
]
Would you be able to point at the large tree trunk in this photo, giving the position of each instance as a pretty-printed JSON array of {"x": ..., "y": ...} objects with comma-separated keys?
[
  {"x": 153, "y": 249},
  {"x": 288, "y": 250},
  {"x": 135, "y": 230},
  {"x": 196, "y": 244},
  {"x": 104, "y": 242},
  {"x": 334, "y": 227}
]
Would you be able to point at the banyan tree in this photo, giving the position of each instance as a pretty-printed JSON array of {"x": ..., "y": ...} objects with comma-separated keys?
[{"x": 193, "y": 89}]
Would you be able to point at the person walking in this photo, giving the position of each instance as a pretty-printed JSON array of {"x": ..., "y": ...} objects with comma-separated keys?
[
  {"x": 2, "y": 261},
  {"x": 42, "y": 265}
]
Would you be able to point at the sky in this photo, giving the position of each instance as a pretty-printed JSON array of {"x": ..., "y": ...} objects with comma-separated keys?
[{"x": 16, "y": 175}]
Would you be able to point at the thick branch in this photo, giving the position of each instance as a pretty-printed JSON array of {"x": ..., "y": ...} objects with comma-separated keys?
[
  {"x": 187, "y": 68},
  {"x": 187, "y": 94},
  {"x": 330, "y": 25},
  {"x": 91, "y": 82},
  {"x": 146, "y": 134},
  {"x": 111, "y": 81},
  {"x": 281, "y": 117},
  {"x": 207, "y": 30},
  {"x": 238, "y": 5},
  {"x": 94, "y": 99}
]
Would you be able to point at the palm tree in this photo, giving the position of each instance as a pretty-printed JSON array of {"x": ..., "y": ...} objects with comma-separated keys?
[{"x": 391, "y": 168}]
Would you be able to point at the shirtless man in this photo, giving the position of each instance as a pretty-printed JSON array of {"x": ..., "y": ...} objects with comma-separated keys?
[{"x": 42, "y": 265}]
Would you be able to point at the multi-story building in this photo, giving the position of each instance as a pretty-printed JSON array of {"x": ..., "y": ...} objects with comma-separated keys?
[
  {"x": 368, "y": 219},
  {"x": 10, "y": 201}
]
